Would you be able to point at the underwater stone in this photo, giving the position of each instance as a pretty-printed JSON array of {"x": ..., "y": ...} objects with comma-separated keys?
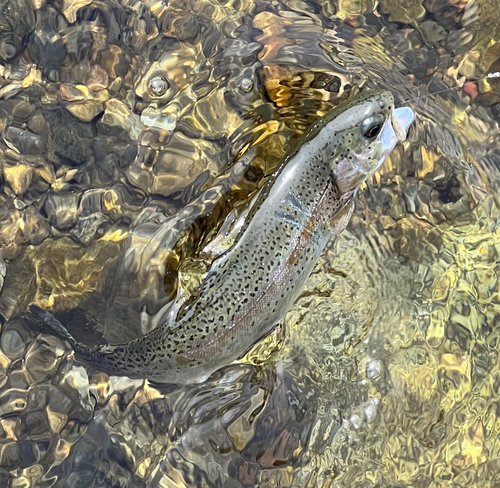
[
  {"x": 374, "y": 369},
  {"x": 25, "y": 141},
  {"x": 85, "y": 111},
  {"x": 153, "y": 118},
  {"x": 71, "y": 137},
  {"x": 9, "y": 455},
  {"x": 37, "y": 124},
  {"x": 41, "y": 360},
  {"x": 118, "y": 117},
  {"x": 80, "y": 479},
  {"x": 158, "y": 86},
  {"x": 98, "y": 78},
  {"x": 246, "y": 85},
  {"x": 29, "y": 453},
  {"x": 12, "y": 344},
  {"x": 370, "y": 412},
  {"x": 75, "y": 387},
  {"x": 38, "y": 396},
  {"x": 87, "y": 228},
  {"x": 47, "y": 47},
  {"x": 356, "y": 421},
  {"x": 71, "y": 7},
  {"x": 35, "y": 424},
  {"x": 19, "y": 380},
  {"x": 61, "y": 210},
  {"x": 7, "y": 49},
  {"x": 18, "y": 176},
  {"x": 18, "y": 108},
  {"x": 16, "y": 22},
  {"x": 12, "y": 402},
  {"x": 59, "y": 403},
  {"x": 185, "y": 28}
]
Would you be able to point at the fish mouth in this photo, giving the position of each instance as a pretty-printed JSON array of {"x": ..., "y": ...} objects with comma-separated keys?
[
  {"x": 395, "y": 130},
  {"x": 402, "y": 118}
]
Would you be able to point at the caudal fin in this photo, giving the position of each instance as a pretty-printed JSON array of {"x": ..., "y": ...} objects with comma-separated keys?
[
  {"x": 111, "y": 359},
  {"x": 50, "y": 321}
]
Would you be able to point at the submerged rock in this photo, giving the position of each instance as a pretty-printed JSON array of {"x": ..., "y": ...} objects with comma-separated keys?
[
  {"x": 17, "y": 21},
  {"x": 24, "y": 141},
  {"x": 47, "y": 47}
]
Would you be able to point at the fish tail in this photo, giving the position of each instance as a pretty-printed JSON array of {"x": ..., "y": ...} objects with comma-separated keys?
[
  {"x": 100, "y": 355},
  {"x": 52, "y": 323},
  {"x": 128, "y": 359}
]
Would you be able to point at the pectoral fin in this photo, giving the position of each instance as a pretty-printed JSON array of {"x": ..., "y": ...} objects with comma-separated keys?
[{"x": 339, "y": 221}]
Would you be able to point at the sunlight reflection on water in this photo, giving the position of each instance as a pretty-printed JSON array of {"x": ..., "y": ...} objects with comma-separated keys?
[{"x": 115, "y": 116}]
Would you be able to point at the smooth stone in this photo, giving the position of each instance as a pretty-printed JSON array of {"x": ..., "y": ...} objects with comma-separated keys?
[{"x": 12, "y": 344}]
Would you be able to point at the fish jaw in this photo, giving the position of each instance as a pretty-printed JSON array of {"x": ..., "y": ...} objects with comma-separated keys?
[
  {"x": 395, "y": 130},
  {"x": 402, "y": 118}
]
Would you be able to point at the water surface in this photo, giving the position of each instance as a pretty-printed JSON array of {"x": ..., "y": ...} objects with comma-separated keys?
[{"x": 116, "y": 116}]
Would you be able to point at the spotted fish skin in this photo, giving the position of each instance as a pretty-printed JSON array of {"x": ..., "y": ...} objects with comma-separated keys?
[{"x": 249, "y": 289}]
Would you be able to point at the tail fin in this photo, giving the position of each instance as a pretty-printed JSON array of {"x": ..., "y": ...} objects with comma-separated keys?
[
  {"x": 50, "y": 321},
  {"x": 111, "y": 359}
]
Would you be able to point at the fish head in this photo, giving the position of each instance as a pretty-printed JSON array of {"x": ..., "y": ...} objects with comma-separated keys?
[{"x": 366, "y": 129}]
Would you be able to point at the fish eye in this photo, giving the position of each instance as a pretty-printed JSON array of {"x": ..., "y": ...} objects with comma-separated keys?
[{"x": 371, "y": 127}]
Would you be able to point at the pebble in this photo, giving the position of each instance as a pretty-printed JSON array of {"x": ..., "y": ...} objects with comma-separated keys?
[
  {"x": 246, "y": 85},
  {"x": 98, "y": 78},
  {"x": 71, "y": 7},
  {"x": 87, "y": 227},
  {"x": 29, "y": 453},
  {"x": 18, "y": 176},
  {"x": 37, "y": 124},
  {"x": 9, "y": 455},
  {"x": 118, "y": 116},
  {"x": 158, "y": 86},
  {"x": 370, "y": 412},
  {"x": 154, "y": 118},
  {"x": 356, "y": 421},
  {"x": 42, "y": 359},
  {"x": 85, "y": 111},
  {"x": 35, "y": 424},
  {"x": 374, "y": 369},
  {"x": 61, "y": 210},
  {"x": 433, "y": 32},
  {"x": 17, "y": 22},
  {"x": 13, "y": 402},
  {"x": 7, "y": 49},
  {"x": 47, "y": 47},
  {"x": 75, "y": 387},
  {"x": 471, "y": 89},
  {"x": 24, "y": 141},
  {"x": 12, "y": 344},
  {"x": 70, "y": 137}
]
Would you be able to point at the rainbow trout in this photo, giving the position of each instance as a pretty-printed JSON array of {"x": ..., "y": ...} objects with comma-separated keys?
[{"x": 250, "y": 288}]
